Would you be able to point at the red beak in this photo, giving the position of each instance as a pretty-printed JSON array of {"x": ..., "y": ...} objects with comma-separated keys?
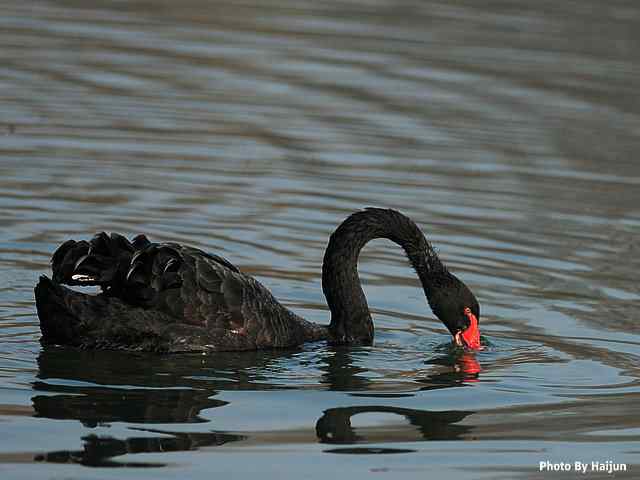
[{"x": 471, "y": 336}]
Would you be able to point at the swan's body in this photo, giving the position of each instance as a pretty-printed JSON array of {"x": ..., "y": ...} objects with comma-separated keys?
[{"x": 172, "y": 298}]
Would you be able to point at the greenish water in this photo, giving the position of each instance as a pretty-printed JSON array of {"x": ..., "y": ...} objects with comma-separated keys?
[{"x": 508, "y": 131}]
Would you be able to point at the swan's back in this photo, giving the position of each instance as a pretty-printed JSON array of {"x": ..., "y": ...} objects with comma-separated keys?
[{"x": 159, "y": 296}]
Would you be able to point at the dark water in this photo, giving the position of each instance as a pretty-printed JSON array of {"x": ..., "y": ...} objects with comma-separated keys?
[{"x": 509, "y": 130}]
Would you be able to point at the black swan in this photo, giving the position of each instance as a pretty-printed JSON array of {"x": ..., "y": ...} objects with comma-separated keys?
[{"x": 168, "y": 297}]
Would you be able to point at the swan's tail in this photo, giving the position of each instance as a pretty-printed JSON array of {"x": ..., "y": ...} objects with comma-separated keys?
[
  {"x": 68, "y": 317},
  {"x": 66, "y": 314},
  {"x": 59, "y": 320}
]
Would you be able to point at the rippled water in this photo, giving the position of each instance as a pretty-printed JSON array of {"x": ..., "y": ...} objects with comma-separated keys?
[{"x": 509, "y": 131}]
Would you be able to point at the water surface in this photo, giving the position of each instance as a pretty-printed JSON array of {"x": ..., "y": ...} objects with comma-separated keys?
[{"x": 509, "y": 131}]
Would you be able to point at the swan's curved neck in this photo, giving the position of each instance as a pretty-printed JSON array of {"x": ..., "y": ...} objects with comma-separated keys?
[{"x": 350, "y": 317}]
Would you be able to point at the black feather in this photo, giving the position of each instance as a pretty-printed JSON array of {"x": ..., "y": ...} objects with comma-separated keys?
[{"x": 170, "y": 297}]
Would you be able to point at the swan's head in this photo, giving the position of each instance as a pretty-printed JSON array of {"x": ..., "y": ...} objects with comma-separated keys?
[{"x": 458, "y": 309}]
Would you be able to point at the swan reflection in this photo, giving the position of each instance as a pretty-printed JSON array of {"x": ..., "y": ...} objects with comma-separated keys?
[
  {"x": 100, "y": 388},
  {"x": 335, "y": 425}
]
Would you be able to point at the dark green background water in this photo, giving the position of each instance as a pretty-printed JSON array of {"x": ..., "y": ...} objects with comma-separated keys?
[{"x": 508, "y": 130}]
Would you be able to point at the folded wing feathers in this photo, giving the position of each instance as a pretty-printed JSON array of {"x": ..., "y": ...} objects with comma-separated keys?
[
  {"x": 183, "y": 281},
  {"x": 64, "y": 259}
]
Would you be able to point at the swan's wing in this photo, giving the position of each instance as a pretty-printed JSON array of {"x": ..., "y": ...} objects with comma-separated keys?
[
  {"x": 193, "y": 300},
  {"x": 207, "y": 293},
  {"x": 192, "y": 286},
  {"x": 196, "y": 287}
]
